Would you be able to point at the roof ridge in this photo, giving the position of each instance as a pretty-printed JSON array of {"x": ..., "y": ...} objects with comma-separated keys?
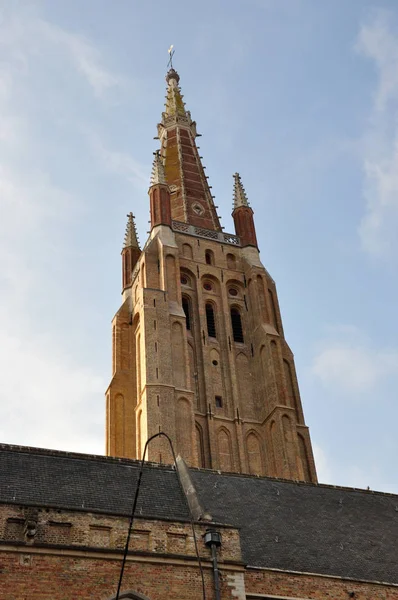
[
  {"x": 294, "y": 482},
  {"x": 129, "y": 461},
  {"x": 32, "y": 450}
]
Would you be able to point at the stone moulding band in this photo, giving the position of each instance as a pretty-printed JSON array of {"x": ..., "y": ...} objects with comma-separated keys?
[{"x": 225, "y": 238}]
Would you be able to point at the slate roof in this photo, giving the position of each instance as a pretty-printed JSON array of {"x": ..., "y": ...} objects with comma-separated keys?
[
  {"x": 306, "y": 527},
  {"x": 31, "y": 476},
  {"x": 283, "y": 525}
]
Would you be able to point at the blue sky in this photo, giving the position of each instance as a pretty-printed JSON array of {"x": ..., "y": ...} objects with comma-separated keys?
[{"x": 300, "y": 97}]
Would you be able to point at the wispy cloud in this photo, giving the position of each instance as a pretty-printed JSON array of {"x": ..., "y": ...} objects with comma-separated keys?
[
  {"x": 119, "y": 163},
  {"x": 28, "y": 37},
  {"x": 48, "y": 395},
  {"x": 85, "y": 56},
  {"x": 348, "y": 361},
  {"x": 350, "y": 472},
  {"x": 378, "y": 41}
]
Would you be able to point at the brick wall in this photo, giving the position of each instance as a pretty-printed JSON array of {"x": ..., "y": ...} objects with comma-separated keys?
[
  {"x": 312, "y": 587},
  {"x": 77, "y": 555},
  {"x": 226, "y": 404}
]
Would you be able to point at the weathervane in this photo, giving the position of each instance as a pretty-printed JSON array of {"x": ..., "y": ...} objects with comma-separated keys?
[{"x": 171, "y": 54}]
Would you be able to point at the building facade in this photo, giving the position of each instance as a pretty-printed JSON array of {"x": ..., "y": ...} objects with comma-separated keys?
[
  {"x": 198, "y": 344},
  {"x": 64, "y": 520}
]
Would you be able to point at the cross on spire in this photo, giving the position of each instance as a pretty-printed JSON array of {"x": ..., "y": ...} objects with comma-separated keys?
[{"x": 171, "y": 54}]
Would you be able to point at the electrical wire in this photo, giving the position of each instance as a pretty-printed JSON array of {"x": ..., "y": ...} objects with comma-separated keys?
[{"x": 126, "y": 549}]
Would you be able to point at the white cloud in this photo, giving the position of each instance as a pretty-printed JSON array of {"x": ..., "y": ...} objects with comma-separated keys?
[
  {"x": 85, "y": 56},
  {"x": 350, "y": 363},
  {"x": 119, "y": 163},
  {"x": 332, "y": 470},
  {"x": 28, "y": 38},
  {"x": 48, "y": 397},
  {"x": 377, "y": 230},
  {"x": 377, "y": 42},
  {"x": 323, "y": 467}
]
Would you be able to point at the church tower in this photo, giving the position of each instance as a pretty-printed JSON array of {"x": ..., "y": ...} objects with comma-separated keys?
[{"x": 198, "y": 345}]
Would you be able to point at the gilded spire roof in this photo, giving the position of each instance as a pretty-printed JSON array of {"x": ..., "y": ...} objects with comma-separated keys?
[
  {"x": 240, "y": 197},
  {"x": 131, "y": 238},
  {"x": 158, "y": 175}
]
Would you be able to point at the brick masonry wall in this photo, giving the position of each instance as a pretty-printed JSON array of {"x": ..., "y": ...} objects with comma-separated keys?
[
  {"x": 312, "y": 587},
  {"x": 57, "y": 576},
  {"x": 257, "y": 426},
  {"x": 76, "y": 555}
]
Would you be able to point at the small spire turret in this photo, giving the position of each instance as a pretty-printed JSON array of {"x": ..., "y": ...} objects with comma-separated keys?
[
  {"x": 131, "y": 237},
  {"x": 243, "y": 215},
  {"x": 158, "y": 175},
  {"x": 131, "y": 251},
  {"x": 240, "y": 196},
  {"x": 159, "y": 194}
]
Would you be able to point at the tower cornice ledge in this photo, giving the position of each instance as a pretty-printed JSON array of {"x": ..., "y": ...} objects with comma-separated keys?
[{"x": 217, "y": 236}]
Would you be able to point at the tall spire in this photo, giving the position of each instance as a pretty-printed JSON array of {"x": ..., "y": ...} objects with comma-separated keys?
[
  {"x": 158, "y": 175},
  {"x": 240, "y": 196},
  {"x": 130, "y": 237},
  {"x": 191, "y": 198}
]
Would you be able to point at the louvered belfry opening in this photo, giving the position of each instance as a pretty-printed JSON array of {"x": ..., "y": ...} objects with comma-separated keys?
[
  {"x": 187, "y": 310},
  {"x": 211, "y": 321},
  {"x": 237, "y": 329}
]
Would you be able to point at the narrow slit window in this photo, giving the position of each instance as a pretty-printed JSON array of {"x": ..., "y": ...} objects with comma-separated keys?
[
  {"x": 187, "y": 310},
  {"x": 236, "y": 322},
  {"x": 211, "y": 322},
  {"x": 218, "y": 401}
]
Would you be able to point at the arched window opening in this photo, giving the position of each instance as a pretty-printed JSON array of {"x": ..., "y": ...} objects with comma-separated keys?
[
  {"x": 209, "y": 256},
  {"x": 273, "y": 308},
  {"x": 113, "y": 349},
  {"x": 304, "y": 458},
  {"x": 187, "y": 250},
  {"x": 211, "y": 321},
  {"x": 187, "y": 310},
  {"x": 130, "y": 595},
  {"x": 231, "y": 261},
  {"x": 200, "y": 445},
  {"x": 237, "y": 330}
]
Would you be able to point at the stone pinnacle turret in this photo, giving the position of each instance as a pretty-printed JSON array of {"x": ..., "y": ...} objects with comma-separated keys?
[
  {"x": 240, "y": 197},
  {"x": 130, "y": 237}
]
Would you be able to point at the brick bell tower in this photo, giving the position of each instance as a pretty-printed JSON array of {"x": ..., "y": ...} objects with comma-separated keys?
[{"x": 198, "y": 345}]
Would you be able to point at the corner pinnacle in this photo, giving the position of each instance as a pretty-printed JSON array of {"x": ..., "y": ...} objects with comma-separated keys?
[
  {"x": 131, "y": 238},
  {"x": 240, "y": 197},
  {"x": 157, "y": 175}
]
